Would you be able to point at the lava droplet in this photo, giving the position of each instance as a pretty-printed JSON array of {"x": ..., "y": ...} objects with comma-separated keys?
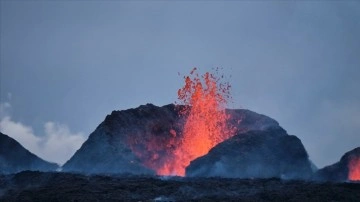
[{"x": 205, "y": 98}]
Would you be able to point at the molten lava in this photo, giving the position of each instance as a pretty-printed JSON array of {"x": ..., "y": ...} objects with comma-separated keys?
[
  {"x": 205, "y": 98},
  {"x": 167, "y": 147},
  {"x": 354, "y": 169}
]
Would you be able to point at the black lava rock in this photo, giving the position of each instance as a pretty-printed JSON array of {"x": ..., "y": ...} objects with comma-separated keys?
[
  {"x": 153, "y": 131},
  {"x": 255, "y": 154}
]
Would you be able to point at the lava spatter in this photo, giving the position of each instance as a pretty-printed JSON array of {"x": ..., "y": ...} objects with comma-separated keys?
[{"x": 205, "y": 98}]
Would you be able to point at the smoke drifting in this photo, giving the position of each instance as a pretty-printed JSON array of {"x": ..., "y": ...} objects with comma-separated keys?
[{"x": 57, "y": 144}]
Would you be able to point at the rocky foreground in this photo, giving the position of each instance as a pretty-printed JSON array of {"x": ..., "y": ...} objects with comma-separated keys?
[{"x": 46, "y": 186}]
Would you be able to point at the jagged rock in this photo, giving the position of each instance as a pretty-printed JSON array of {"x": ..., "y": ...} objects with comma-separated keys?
[
  {"x": 15, "y": 158},
  {"x": 60, "y": 186},
  {"x": 338, "y": 171},
  {"x": 107, "y": 149},
  {"x": 255, "y": 154},
  {"x": 134, "y": 140}
]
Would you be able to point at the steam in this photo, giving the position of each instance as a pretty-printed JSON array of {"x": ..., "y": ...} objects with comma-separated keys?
[{"x": 57, "y": 144}]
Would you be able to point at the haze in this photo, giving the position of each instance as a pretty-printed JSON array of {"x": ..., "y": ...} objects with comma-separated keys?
[{"x": 65, "y": 65}]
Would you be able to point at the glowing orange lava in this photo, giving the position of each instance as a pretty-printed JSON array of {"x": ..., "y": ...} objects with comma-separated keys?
[
  {"x": 205, "y": 98},
  {"x": 354, "y": 169}
]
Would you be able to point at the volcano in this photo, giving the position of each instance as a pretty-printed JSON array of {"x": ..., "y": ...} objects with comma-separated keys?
[
  {"x": 347, "y": 169},
  {"x": 165, "y": 140},
  {"x": 142, "y": 140}
]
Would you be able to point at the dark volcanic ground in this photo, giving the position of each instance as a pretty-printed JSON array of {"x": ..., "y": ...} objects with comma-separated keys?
[{"x": 45, "y": 186}]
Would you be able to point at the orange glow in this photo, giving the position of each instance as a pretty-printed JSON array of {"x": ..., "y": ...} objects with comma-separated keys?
[
  {"x": 205, "y": 99},
  {"x": 354, "y": 169},
  {"x": 201, "y": 125}
]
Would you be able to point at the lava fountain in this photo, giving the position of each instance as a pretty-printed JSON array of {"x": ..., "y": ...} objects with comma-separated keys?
[
  {"x": 205, "y": 98},
  {"x": 201, "y": 122},
  {"x": 354, "y": 169}
]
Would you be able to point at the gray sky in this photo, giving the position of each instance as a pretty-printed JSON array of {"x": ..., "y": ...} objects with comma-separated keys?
[{"x": 65, "y": 65}]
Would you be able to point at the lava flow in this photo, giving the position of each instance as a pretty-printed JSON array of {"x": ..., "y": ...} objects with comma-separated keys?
[
  {"x": 354, "y": 169},
  {"x": 205, "y": 98}
]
